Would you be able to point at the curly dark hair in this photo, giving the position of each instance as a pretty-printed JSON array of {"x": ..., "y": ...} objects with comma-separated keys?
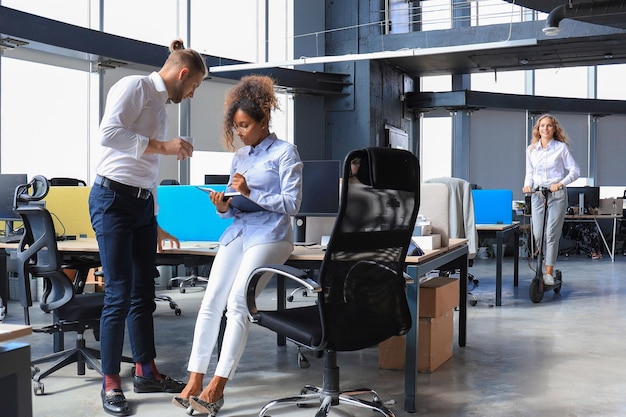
[{"x": 254, "y": 95}]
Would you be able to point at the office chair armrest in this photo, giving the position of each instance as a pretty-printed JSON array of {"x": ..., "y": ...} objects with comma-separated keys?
[{"x": 297, "y": 275}]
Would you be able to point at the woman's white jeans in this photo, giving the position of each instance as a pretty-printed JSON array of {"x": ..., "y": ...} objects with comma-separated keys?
[{"x": 226, "y": 289}]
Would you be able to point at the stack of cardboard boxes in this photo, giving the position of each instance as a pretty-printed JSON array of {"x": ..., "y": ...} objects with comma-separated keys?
[{"x": 438, "y": 298}]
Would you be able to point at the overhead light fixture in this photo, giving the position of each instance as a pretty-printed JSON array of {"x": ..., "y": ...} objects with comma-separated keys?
[
  {"x": 11, "y": 43},
  {"x": 110, "y": 63},
  {"x": 409, "y": 52}
]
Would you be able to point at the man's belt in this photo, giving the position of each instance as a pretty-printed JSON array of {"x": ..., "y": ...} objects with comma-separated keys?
[{"x": 123, "y": 189}]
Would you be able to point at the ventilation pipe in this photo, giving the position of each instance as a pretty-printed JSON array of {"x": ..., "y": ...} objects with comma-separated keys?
[{"x": 581, "y": 10}]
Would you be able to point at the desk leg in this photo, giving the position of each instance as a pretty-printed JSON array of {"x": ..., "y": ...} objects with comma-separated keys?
[
  {"x": 463, "y": 276},
  {"x": 516, "y": 236},
  {"x": 281, "y": 304},
  {"x": 499, "y": 240},
  {"x": 4, "y": 279},
  {"x": 606, "y": 245},
  {"x": 410, "y": 364}
]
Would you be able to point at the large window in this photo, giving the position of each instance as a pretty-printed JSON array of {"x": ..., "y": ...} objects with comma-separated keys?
[
  {"x": 608, "y": 87},
  {"x": 45, "y": 123},
  {"x": 56, "y": 124}
]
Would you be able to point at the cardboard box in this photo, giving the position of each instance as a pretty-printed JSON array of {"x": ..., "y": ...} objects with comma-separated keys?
[
  {"x": 438, "y": 296},
  {"x": 434, "y": 345},
  {"x": 435, "y": 341},
  {"x": 428, "y": 242}
]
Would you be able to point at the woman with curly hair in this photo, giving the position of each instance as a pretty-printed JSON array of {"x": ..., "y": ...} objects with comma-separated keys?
[
  {"x": 268, "y": 171},
  {"x": 549, "y": 163}
]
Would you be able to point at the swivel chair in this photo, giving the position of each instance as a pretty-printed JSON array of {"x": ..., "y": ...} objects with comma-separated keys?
[
  {"x": 37, "y": 255},
  {"x": 360, "y": 292},
  {"x": 67, "y": 182}
]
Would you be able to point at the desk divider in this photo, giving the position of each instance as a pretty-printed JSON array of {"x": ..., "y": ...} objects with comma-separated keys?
[
  {"x": 69, "y": 207},
  {"x": 187, "y": 213}
]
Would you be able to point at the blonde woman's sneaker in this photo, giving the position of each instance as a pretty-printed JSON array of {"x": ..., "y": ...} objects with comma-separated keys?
[{"x": 548, "y": 279}]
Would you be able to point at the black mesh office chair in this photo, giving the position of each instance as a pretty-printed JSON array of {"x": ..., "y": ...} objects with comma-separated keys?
[
  {"x": 361, "y": 297},
  {"x": 37, "y": 256},
  {"x": 67, "y": 182}
]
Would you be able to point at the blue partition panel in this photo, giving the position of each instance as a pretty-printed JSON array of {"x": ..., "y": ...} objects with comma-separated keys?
[
  {"x": 188, "y": 214},
  {"x": 493, "y": 206}
]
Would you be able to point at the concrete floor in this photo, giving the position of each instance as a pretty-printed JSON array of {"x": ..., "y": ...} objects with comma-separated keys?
[{"x": 562, "y": 357}]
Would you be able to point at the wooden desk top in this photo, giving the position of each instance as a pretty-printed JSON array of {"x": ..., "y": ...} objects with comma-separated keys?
[
  {"x": 495, "y": 227},
  {"x": 13, "y": 331},
  {"x": 300, "y": 253},
  {"x": 592, "y": 216}
]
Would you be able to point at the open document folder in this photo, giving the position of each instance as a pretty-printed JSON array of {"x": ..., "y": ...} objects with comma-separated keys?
[{"x": 238, "y": 200}]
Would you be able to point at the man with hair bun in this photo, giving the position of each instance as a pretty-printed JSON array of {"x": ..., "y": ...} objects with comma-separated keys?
[{"x": 122, "y": 208}]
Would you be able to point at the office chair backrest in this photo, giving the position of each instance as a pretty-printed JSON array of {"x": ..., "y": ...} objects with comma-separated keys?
[
  {"x": 363, "y": 299},
  {"x": 37, "y": 252},
  {"x": 67, "y": 182}
]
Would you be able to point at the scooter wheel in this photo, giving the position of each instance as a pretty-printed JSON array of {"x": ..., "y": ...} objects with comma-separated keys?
[
  {"x": 535, "y": 291},
  {"x": 559, "y": 277}
]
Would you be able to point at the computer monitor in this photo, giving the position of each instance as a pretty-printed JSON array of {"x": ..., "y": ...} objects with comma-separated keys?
[
  {"x": 8, "y": 183},
  {"x": 585, "y": 198},
  {"x": 216, "y": 178},
  {"x": 320, "y": 193}
]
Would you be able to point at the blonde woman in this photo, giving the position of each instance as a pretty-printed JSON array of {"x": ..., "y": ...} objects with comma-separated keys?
[{"x": 549, "y": 163}]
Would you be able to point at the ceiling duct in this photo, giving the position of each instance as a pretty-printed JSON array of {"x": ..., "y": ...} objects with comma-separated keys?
[{"x": 581, "y": 10}]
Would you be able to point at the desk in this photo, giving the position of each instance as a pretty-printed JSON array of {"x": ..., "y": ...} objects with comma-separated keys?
[
  {"x": 454, "y": 256},
  {"x": 15, "y": 388},
  {"x": 500, "y": 231},
  {"x": 594, "y": 218}
]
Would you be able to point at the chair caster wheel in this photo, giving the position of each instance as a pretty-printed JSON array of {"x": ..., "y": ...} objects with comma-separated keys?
[
  {"x": 290, "y": 298},
  {"x": 182, "y": 290},
  {"x": 177, "y": 312},
  {"x": 473, "y": 303},
  {"x": 169, "y": 287},
  {"x": 38, "y": 388}
]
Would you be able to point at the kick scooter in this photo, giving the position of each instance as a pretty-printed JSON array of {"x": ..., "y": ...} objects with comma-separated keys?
[{"x": 537, "y": 286}]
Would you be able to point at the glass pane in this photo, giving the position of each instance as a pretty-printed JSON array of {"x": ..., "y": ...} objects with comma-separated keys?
[
  {"x": 45, "y": 127},
  {"x": 436, "y": 147},
  {"x": 510, "y": 82},
  {"x": 159, "y": 23},
  {"x": 436, "y": 15},
  {"x": 240, "y": 37},
  {"x": 436, "y": 83},
  {"x": 562, "y": 82},
  {"x": 491, "y": 12},
  {"x": 75, "y": 12},
  {"x": 608, "y": 88}
]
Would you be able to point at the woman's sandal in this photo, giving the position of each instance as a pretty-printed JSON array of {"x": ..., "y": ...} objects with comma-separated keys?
[
  {"x": 183, "y": 403},
  {"x": 202, "y": 406}
]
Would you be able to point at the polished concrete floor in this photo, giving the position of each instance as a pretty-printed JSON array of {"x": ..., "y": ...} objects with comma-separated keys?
[{"x": 565, "y": 356}]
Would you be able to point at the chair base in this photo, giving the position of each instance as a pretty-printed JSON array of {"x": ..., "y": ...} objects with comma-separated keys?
[
  {"x": 168, "y": 299},
  {"x": 330, "y": 395},
  {"x": 81, "y": 355},
  {"x": 190, "y": 281},
  {"x": 311, "y": 394}
]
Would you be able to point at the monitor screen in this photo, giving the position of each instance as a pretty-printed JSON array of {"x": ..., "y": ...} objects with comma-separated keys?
[
  {"x": 214, "y": 179},
  {"x": 591, "y": 197},
  {"x": 8, "y": 183},
  {"x": 320, "y": 188}
]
